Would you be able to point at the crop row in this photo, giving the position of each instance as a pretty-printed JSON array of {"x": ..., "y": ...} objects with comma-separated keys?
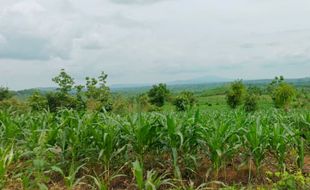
[{"x": 34, "y": 145}]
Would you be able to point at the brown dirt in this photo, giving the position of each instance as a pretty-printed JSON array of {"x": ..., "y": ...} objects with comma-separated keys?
[{"x": 306, "y": 168}]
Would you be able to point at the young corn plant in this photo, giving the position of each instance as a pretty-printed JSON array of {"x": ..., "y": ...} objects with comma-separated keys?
[
  {"x": 153, "y": 180},
  {"x": 107, "y": 140},
  {"x": 279, "y": 140},
  {"x": 141, "y": 133},
  {"x": 222, "y": 142},
  {"x": 175, "y": 142},
  {"x": 70, "y": 177},
  {"x": 256, "y": 142},
  {"x": 6, "y": 158}
]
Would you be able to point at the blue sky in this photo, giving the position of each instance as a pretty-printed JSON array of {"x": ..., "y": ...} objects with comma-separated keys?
[{"x": 150, "y": 41}]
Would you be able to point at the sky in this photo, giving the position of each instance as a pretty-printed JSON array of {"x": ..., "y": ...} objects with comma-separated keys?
[{"x": 152, "y": 41}]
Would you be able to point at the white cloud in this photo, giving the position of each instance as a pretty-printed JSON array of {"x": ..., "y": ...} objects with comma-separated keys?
[{"x": 161, "y": 40}]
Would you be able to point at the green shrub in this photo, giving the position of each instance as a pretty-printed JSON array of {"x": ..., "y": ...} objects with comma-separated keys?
[
  {"x": 250, "y": 103},
  {"x": 5, "y": 93},
  {"x": 287, "y": 181},
  {"x": 184, "y": 101},
  {"x": 158, "y": 94},
  {"x": 37, "y": 102},
  {"x": 235, "y": 94},
  {"x": 283, "y": 95}
]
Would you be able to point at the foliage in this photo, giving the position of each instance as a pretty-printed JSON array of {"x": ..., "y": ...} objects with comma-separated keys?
[
  {"x": 289, "y": 181},
  {"x": 158, "y": 94},
  {"x": 5, "y": 93},
  {"x": 14, "y": 105},
  {"x": 37, "y": 102},
  {"x": 235, "y": 94},
  {"x": 64, "y": 81},
  {"x": 282, "y": 95},
  {"x": 98, "y": 91},
  {"x": 64, "y": 146},
  {"x": 250, "y": 103},
  {"x": 184, "y": 101},
  {"x": 57, "y": 100}
]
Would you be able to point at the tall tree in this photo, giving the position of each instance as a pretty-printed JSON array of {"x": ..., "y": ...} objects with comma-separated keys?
[{"x": 64, "y": 81}]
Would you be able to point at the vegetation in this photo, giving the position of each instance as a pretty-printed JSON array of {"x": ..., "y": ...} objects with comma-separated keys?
[
  {"x": 87, "y": 137},
  {"x": 184, "y": 101},
  {"x": 158, "y": 94},
  {"x": 5, "y": 93},
  {"x": 236, "y": 94}
]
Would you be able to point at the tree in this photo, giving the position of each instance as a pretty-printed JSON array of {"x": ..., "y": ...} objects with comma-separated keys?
[
  {"x": 236, "y": 93},
  {"x": 283, "y": 95},
  {"x": 281, "y": 92},
  {"x": 250, "y": 102},
  {"x": 5, "y": 93},
  {"x": 37, "y": 102},
  {"x": 64, "y": 81},
  {"x": 98, "y": 92},
  {"x": 56, "y": 100},
  {"x": 275, "y": 83},
  {"x": 158, "y": 94},
  {"x": 184, "y": 101},
  {"x": 81, "y": 102}
]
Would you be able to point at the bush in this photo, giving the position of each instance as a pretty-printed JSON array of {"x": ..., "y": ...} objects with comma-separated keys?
[
  {"x": 250, "y": 103},
  {"x": 5, "y": 93},
  {"x": 158, "y": 94},
  {"x": 290, "y": 181},
  {"x": 235, "y": 94},
  {"x": 37, "y": 102},
  {"x": 184, "y": 101},
  {"x": 283, "y": 95},
  {"x": 14, "y": 105},
  {"x": 56, "y": 100}
]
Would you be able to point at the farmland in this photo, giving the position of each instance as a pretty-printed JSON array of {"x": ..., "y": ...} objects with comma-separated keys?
[{"x": 206, "y": 146}]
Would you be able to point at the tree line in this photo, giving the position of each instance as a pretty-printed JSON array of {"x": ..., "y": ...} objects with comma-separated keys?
[{"x": 95, "y": 95}]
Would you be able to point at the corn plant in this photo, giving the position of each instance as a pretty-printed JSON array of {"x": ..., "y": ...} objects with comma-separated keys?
[
  {"x": 256, "y": 142},
  {"x": 70, "y": 176},
  {"x": 279, "y": 140},
  {"x": 222, "y": 142},
  {"x": 6, "y": 158},
  {"x": 153, "y": 180}
]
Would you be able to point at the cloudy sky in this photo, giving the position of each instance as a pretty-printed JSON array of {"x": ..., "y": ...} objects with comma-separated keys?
[{"x": 149, "y": 41}]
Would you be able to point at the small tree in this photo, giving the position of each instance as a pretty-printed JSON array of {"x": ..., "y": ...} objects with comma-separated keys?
[
  {"x": 64, "y": 81},
  {"x": 98, "y": 91},
  {"x": 5, "y": 93},
  {"x": 37, "y": 102},
  {"x": 283, "y": 95},
  {"x": 184, "y": 101},
  {"x": 80, "y": 99},
  {"x": 250, "y": 102},
  {"x": 235, "y": 94},
  {"x": 158, "y": 94}
]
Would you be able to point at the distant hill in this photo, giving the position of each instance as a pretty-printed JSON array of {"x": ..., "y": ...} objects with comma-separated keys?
[
  {"x": 201, "y": 80},
  {"x": 197, "y": 85}
]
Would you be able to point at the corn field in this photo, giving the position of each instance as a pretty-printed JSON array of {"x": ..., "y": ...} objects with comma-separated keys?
[{"x": 190, "y": 150}]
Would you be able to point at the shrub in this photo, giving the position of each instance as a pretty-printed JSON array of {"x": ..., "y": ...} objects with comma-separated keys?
[
  {"x": 235, "y": 94},
  {"x": 14, "y": 105},
  {"x": 250, "y": 103},
  {"x": 37, "y": 102},
  {"x": 184, "y": 101},
  {"x": 158, "y": 94},
  {"x": 56, "y": 100},
  {"x": 5, "y": 93},
  {"x": 283, "y": 95}
]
